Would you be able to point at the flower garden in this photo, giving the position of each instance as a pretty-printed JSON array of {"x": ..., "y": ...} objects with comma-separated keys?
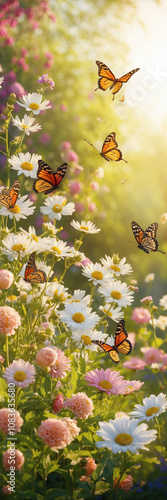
[{"x": 82, "y": 332}]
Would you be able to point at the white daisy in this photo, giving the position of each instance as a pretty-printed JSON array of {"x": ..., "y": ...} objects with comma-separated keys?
[
  {"x": 85, "y": 339},
  {"x": 79, "y": 296},
  {"x": 1, "y": 81},
  {"x": 78, "y": 316},
  {"x": 23, "y": 286},
  {"x": 124, "y": 434},
  {"x": 85, "y": 227},
  {"x": 20, "y": 373},
  {"x": 26, "y": 124},
  {"x": 151, "y": 408},
  {"x": 150, "y": 277},
  {"x": 112, "y": 312},
  {"x": 57, "y": 247},
  {"x": 163, "y": 302},
  {"x": 57, "y": 291},
  {"x": 17, "y": 245},
  {"x": 50, "y": 228},
  {"x": 96, "y": 273},
  {"x": 56, "y": 206},
  {"x": 116, "y": 266},
  {"x": 31, "y": 233},
  {"x": 160, "y": 322},
  {"x": 115, "y": 291},
  {"x": 33, "y": 102},
  {"x": 26, "y": 164},
  {"x": 21, "y": 210}
]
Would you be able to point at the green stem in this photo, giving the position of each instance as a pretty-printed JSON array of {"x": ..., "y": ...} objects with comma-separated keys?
[
  {"x": 153, "y": 327},
  {"x": 7, "y": 351},
  {"x": 91, "y": 295},
  {"x": 158, "y": 428}
]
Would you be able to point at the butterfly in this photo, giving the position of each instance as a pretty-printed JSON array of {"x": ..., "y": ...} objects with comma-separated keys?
[
  {"x": 121, "y": 344},
  {"x": 109, "y": 150},
  {"x": 8, "y": 197},
  {"x": 32, "y": 274},
  {"x": 108, "y": 80},
  {"x": 47, "y": 180},
  {"x": 146, "y": 239}
]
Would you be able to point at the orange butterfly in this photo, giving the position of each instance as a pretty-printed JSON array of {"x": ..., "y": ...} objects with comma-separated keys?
[
  {"x": 121, "y": 344},
  {"x": 146, "y": 239},
  {"x": 109, "y": 150},
  {"x": 108, "y": 80},
  {"x": 32, "y": 274},
  {"x": 8, "y": 197},
  {"x": 47, "y": 180}
]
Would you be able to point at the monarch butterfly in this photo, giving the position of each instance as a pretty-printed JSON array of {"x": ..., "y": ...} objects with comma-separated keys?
[
  {"x": 108, "y": 80},
  {"x": 109, "y": 150},
  {"x": 121, "y": 344},
  {"x": 8, "y": 197},
  {"x": 47, "y": 180},
  {"x": 32, "y": 274},
  {"x": 146, "y": 239}
]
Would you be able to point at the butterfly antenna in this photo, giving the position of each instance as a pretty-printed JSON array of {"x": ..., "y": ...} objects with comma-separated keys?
[
  {"x": 124, "y": 160},
  {"x": 161, "y": 251}
]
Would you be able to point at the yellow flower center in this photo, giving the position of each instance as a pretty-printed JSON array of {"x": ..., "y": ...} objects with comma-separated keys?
[
  {"x": 24, "y": 126},
  {"x": 56, "y": 249},
  {"x": 106, "y": 311},
  {"x": 12, "y": 297},
  {"x": 19, "y": 376},
  {"x": 34, "y": 106},
  {"x": 34, "y": 237},
  {"x": 116, "y": 295},
  {"x": 78, "y": 317},
  {"x": 105, "y": 384},
  {"x": 123, "y": 439},
  {"x": 115, "y": 268},
  {"x": 97, "y": 275},
  {"x": 151, "y": 411},
  {"x": 26, "y": 165},
  {"x": 59, "y": 297},
  {"x": 85, "y": 228},
  {"x": 18, "y": 248},
  {"x": 86, "y": 339},
  {"x": 15, "y": 209},
  {"x": 57, "y": 208}
]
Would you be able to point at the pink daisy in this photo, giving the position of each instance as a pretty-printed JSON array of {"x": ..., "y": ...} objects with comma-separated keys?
[
  {"x": 9, "y": 320},
  {"x": 62, "y": 365},
  {"x": 80, "y": 404},
  {"x": 152, "y": 355},
  {"x": 135, "y": 363},
  {"x": 141, "y": 315},
  {"x": 107, "y": 380},
  {"x": 20, "y": 373},
  {"x": 132, "y": 385}
]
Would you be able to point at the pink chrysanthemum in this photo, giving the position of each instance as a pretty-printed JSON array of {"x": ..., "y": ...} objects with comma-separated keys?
[
  {"x": 90, "y": 466},
  {"x": 107, "y": 380},
  {"x": 152, "y": 355},
  {"x": 58, "y": 403},
  {"x": 72, "y": 427},
  {"x": 132, "y": 385},
  {"x": 141, "y": 315},
  {"x": 9, "y": 320},
  {"x": 124, "y": 485},
  {"x": 46, "y": 357},
  {"x": 62, "y": 365},
  {"x": 20, "y": 373},
  {"x": 135, "y": 363},
  {"x": 14, "y": 454},
  {"x": 80, "y": 404},
  {"x": 54, "y": 433},
  {"x": 4, "y": 422}
]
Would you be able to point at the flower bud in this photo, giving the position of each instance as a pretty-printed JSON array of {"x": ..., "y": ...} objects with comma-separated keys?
[{"x": 6, "y": 279}]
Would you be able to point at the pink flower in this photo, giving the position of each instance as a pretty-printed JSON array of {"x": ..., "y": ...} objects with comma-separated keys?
[
  {"x": 90, "y": 466},
  {"x": 107, "y": 380},
  {"x": 71, "y": 156},
  {"x": 55, "y": 433},
  {"x": 58, "y": 403},
  {"x": 164, "y": 361},
  {"x": 141, "y": 315},
  {"x": 6, "y": 279},
  {"x": 72, "y": 426},
  {"x": 95, "y": 185},
  {"x": 45, "y": 139},
  {"x": 131, "y": 337},
  {"x": 6, "y": 489},
  {"x": 15, "y": 454},
  {"x": 58, "y": 370},
  {"x": 75, "y": 187},
  {"x": 124, "y": 485},
  {"x": 132, "y": 385},
  {"x": 80, "y": 404},
  {"x": 135, "y": 363},
  {"x": 77, "y": 169},
  {"x": 63, "y": 107},
  {"x": 46, "y": 357},
  {"x": 1, "y": 359},
  {"x": 17, "y": 89},
  {"x": 146, "y": 300},
  {"x": 20, "y": 373},
  {"x": 92, "y": 207},
  {"x": 152, "y": 355},
  {"x": 79, "y": 207},
  {"x": 48, "y": 81},
  {"x": 5, "y": 413},
  {"x": 65, "y": 145},
  {"x": 9, "y": 320}
]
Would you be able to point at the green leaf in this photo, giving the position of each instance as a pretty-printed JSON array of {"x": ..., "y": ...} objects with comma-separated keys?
[{"x": 101, "y": 487}]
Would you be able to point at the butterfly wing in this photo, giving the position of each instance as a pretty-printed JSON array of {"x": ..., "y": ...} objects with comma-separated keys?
[
  {"x": 32, "y": 274},
  {"x": 138, "y": 232},
  {"x": 126, "y": 77},
  {"x": 151, "y": 231},
  {"x": 107, "y": 78},
  {"x": 146, "y": 239},
  {"x": 8, "y": 197},
  {"x": 47, "y": 180},
  {"x": 122, "y": 344},
  {"x": 109, "y": 149},
  {"x": 109, "y": 349}
]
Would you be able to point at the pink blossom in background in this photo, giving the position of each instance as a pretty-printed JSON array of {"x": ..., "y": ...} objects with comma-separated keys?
[
  {"x": 24, "y": 52},
  {"x": 32, "y": 197},
  {"x": 71, "y": 156},
  {"x": 91, "y": 95},
  {"x": 79, "y": 207},
  {"x": 39, "y": 220},
  {"x": 9, "y": 40},
  {"x": 64, "y": 235},
  {"x": 6, "y": 279},
  {"x": 77, "y": 169},
  {"x": 9, "y": 320},
  {"x": 75, "y": 187},
  {"x": 6, "y": 489},
  {"x": 1, "y": 359},
  {"x": 146, "y": 300},
  {"x": 152, "y": 355},
  {"x": 61, "y": 366},
  {"x": 134, "y": 363},
  {"x": 90, "y": 466},
  {"x": 124, "y": 485},
  {"x": 17, "y": 456},
  {"x": 132, "y": 385},
  {"x": 95, "y": 185},
  {"x": 92, "y": 207},
  {"x": 63, "y": 108},
  {"x": 48, "y": 81},
  {"x": 17, "y": 89},
  {"x": 65, "y": 145},
  {"x": 85, "y": 262},
  {"x": 131, "y": 337},
  {"x": 164, "y": 361},
  {"x": 58, "y": 403},
  {"x": 45, "y": 139},
  {"x": 81, "y": 405},
  {"x": 140, "y": 315},
  {"x": 4, "y": 414}
]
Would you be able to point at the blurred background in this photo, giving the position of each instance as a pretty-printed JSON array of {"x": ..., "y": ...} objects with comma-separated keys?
[{"x": 64, "y": 39}]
